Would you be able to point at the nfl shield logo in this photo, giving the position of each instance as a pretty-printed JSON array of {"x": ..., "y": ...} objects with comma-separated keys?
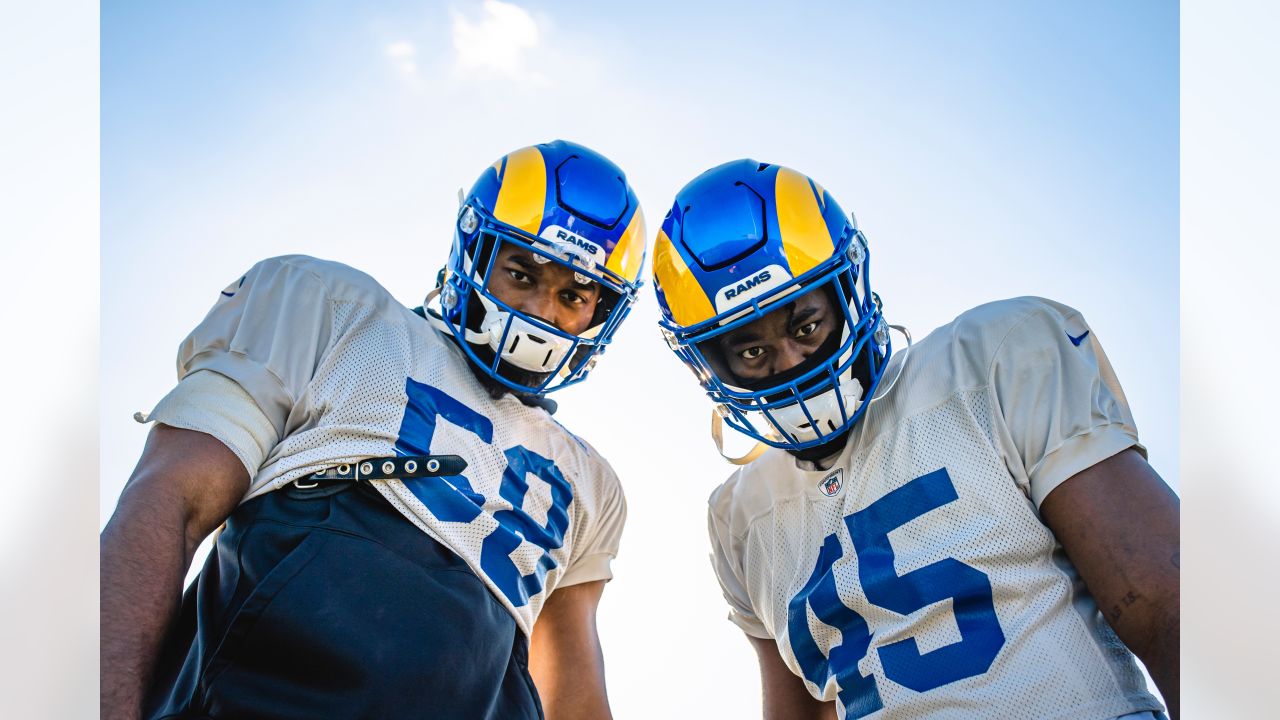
[{"x": 831, "y": 484}]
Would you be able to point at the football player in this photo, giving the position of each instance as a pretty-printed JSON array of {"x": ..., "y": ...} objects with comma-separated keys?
[
  {"x": 965, "y": 528},
  {"x": 408, "y": 531}
]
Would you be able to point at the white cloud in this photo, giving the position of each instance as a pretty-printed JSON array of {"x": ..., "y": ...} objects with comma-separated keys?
[
  {"x": 499, "y": 41},
  {"x": 402, "y": 55}
]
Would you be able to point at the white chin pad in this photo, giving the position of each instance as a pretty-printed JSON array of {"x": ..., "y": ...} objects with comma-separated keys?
[
  {"x": 824, "y": 409},
  {"x": 526, "y": 346}
]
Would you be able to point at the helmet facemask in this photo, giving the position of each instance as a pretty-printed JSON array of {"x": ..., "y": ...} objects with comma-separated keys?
[
  {"x": 522, "y": 351},
  {"x": 817, "y": 401}
]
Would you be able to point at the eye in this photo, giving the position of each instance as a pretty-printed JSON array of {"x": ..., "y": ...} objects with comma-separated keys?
[
  {"x": 520, "y": 276},
  {"x": 751, "y": 353},
  {"x": 807, "y": 329},
  {"x": 573, "y": 298}
]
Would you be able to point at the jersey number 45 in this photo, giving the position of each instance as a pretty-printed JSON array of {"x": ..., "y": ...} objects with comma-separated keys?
[{"x": 967, "y": 588}]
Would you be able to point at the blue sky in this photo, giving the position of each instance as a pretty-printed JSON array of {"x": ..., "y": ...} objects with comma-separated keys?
[{"x": 988, "y": 149}]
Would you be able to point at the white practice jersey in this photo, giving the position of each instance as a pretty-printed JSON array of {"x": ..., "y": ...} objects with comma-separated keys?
[
  {"x": 914, "y": 578},
  {"x": 305, "y": 364}
]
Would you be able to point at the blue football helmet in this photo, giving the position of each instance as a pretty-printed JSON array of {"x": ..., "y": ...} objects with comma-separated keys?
[
  {"x": 747, "y": 238},
  {"x": 564, "y": 204}
]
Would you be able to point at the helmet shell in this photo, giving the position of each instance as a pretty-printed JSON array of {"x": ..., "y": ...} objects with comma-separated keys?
[
  {"x": 564, "y": 203},
  {"x": 739, "y": 238}
]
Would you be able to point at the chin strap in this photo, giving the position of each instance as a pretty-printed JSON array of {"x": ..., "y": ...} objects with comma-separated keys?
[
  {"x": 883, "y": 390},
  {"x": 717, "y": 434}
]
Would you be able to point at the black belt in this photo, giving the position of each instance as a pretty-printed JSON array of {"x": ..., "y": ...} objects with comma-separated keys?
[{"x": 404, "y": 467}]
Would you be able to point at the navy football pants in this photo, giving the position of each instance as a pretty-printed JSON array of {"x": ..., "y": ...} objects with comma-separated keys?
[{"x": 327, "y": 603}]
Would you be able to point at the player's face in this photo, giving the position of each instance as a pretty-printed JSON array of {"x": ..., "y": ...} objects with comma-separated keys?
[
  {"x": 545, "y": 290},
  {"x": 781, "y": 339}
]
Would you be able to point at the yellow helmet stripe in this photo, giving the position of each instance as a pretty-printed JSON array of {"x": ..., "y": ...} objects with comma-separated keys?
[
  {"x": 689, "y": 304},
  {"x": 523, "y": 194},
  {"x": 805, "y": 239},
  {"x": 628, "y": 254}
]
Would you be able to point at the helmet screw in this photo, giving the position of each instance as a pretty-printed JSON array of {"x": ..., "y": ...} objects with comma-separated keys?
[
  {"x": 468, "y": 222},
  {"x": 448, "y": 297},
  {"x": 858, "y": 249},
  {"x": 882, "y": 333}
]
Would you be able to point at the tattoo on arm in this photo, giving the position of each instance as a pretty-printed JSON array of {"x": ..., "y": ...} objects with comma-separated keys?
[{"x": 1117, "y": 610}]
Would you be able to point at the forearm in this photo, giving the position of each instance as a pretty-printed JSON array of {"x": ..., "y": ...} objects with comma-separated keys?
[
  {"x": 564, "y": 700},
  {"x": 144, "y": 555},
  {"x": 1162, "y": 662},
  {"x": 571, "y": 682},
  {"x": 1147, "y": 621},
  {"x": 565, "y": 658}
]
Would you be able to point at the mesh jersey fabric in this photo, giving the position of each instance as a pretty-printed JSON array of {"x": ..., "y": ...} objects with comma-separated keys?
[
  {"x": 980, "y": 421},
  {"x": 340, "y": 371}
]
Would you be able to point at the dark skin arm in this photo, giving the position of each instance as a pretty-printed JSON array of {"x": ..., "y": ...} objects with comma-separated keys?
[
  {"x": 1118, "y": 523},
  {"x": 185, "y": 486},
  {"x": 565, "y": 659},
  {"x": 782, "y": 692}
]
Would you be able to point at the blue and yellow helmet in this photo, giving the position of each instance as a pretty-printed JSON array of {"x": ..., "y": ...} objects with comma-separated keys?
[
  {"x": 746, "y": 238},
  {"x": 563, "y": 203}
]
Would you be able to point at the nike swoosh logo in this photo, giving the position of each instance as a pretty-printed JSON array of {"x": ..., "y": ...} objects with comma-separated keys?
[
  {"x": 232, "y": 294},
  {"x": 1077, "y": 340}
]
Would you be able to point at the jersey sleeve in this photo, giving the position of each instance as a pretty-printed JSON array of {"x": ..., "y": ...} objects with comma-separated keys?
[
  {"x": 1062, "y": 407},
  {"x": 210, "y": 403},
  {"x": 727, "y": 561},
  {"x": 599, "y": 546},
  {"x": 265, "y": 334}
]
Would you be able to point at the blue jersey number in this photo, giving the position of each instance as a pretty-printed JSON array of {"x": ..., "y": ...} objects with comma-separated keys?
[
  {"x": 452, "y": 499},
  {"x": 968, "y": 588}
]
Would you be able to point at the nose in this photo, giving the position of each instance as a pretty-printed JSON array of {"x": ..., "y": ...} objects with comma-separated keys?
[
  {"x": 542, "y": 305},
  {"x": 788, "y": 355}
]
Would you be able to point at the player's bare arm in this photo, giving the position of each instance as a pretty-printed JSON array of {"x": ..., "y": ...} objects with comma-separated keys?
[
  {"x": 184, "y": 486},
  {"x": 565, "y": 657},
  {"x": 782, "y": 693},
  {"x": 1118, "y": 523}
]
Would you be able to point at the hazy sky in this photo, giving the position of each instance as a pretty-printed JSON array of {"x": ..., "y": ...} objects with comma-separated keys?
[{"x": 988, "y": 149}]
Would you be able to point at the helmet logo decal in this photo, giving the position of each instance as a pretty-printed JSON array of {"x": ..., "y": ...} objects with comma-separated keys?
[
  {"x": 736, "y": 294},
  {"x": 746, "y": 285},
  {"x": 572, "y": 244},
  {"x": 832, "y": 483}
]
